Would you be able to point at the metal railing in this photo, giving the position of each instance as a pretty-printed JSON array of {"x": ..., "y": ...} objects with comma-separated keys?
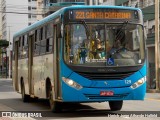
[
  {"x": 4, "y": 73},
  {"x": 145, "y": 4}
]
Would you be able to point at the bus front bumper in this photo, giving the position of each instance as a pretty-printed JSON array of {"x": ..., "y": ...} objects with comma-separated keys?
[{"x": 70, "y": 94}]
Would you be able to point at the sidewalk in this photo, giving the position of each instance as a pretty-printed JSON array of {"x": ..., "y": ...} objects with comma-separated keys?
[
  {"x": 153, "y": 91},
  {"x": 5, "y": 78}
]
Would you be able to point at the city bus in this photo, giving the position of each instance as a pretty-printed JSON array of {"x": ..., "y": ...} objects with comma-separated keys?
[{"x": 82, "y": 54}]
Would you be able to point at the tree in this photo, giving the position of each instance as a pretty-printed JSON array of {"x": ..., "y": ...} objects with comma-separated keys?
[{"x": 4, "y": 43}]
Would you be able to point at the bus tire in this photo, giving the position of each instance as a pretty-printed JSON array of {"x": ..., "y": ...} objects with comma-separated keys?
[
  {"x": 25, "y": 98},
  {"x": 54, "y": 105},
  {"x": 115, "y": 105}
]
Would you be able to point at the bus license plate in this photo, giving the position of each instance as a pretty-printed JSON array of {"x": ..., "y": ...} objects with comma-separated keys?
[{"x": 106, "y": 93}]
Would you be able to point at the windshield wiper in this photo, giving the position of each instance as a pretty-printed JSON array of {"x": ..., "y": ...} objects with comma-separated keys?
[
  {"x": 120, "y": 30},
  {"x": 86, "y": 27}
]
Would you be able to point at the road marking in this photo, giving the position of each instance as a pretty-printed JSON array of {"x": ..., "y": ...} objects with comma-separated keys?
[{"x": 152, "y": 99}]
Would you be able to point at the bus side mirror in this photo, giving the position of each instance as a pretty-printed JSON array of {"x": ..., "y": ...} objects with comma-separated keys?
[
  {"x": 145, "y": 33},
  {"x": 62, "y": 30}
]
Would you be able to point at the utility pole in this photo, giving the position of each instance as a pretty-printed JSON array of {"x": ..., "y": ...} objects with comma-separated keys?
[{"x": 157, "y": 42}]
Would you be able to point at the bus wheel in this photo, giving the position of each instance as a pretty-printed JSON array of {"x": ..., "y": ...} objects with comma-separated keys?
[
  {"x": 25, "y": 98},
  {"x": 54, "y": 105},
  {"x": 115, "y": 105}
]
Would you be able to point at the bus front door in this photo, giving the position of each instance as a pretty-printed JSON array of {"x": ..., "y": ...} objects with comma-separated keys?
[
  {"x": 30, "y": 64},
  {"x": 16, "y": 66},
  {"x": 56, "y": 70}
]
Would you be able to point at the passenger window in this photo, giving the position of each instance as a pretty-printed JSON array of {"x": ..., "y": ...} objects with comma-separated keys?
[
  {"x": 20, "y": 48},
  {"x": 41, "y": 34},
  {"x": 36, "y": 43},
  {"x": 43, "y": 47},
  {"x": 25, "y": 48},
  {"x": 49, "y": 37},
  {"x": 23, "y": 41},
  {"x": 49, "y": 44}
]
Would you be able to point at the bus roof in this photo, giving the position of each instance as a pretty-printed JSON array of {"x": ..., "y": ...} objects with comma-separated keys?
[{"x": 61, "y": 11}]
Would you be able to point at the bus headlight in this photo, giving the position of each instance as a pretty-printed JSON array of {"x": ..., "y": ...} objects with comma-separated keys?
[
  {"x": 71, "y": 83},
  {"x": 138, "y": 83}
]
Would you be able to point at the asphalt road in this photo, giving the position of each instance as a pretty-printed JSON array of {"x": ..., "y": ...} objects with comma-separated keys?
[{"x": 10, "y": 101}]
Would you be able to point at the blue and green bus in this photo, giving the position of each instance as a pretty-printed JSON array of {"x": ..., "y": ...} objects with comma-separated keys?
[{"x": 82, "y": 54}]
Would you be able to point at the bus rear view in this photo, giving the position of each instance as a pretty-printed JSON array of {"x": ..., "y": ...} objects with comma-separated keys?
[{"x": 103, "y": 55}]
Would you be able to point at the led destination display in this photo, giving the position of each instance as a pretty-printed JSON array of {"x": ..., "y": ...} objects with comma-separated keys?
[{"x": 103, "y": 14}]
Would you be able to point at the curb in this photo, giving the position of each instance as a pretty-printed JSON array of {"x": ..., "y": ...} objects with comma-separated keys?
[
  {"x": 153, "y": 91},
  {"x": 5, "y": 79}
]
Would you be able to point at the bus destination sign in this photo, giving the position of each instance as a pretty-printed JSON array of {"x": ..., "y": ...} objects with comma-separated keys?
[{"x": 104, "y": 14}]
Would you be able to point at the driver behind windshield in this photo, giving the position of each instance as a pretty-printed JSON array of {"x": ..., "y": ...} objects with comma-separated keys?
[
  {"x": 118, "y": 44},
  {"x": 121, "y": 49}
]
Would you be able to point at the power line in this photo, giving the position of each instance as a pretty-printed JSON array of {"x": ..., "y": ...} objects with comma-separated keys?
[
  {"x": 21, "y": 13},
  {"x": 23, "y": 8},
  {"x": 19, "y": 6},
  {"x": 26, "y": 9}
]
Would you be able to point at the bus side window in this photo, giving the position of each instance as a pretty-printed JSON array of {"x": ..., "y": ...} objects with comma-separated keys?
[
  {"x": 22, "y": 48},
  {"x": 25, "y": 46},
  {"x": 43, "y": 47},
  {"x": 46, "y": 30},
  {"x": 42, "y": 41},
  {"x": 13, "y": 51},
  {"x": 41, "y": 34},
  {"x": 36, "y": 42},
  {"x": 19, "y": 50},
  {"x": 49, "y": 37},
  {"x": 23, "y": 41},
  {"x": 52, "y": 36},
  {"x": 49, "y": 44}
]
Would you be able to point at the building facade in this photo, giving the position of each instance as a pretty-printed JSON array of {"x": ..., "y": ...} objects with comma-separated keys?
[
  {"x": 148, "y": 9},
  {"x": 32, "y": 9},
  {"x": 11, "y": 20},
  {"x": 47, "y": 7},
  {"x": 100, "y": 2},
  {"x": 40, "y": 11},
  {"x": 51, "y": 6},
  {"x": 16, "y": 15}
]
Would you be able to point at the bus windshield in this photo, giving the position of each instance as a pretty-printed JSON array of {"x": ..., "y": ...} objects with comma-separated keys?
[{"x": 119, "y": 44}]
